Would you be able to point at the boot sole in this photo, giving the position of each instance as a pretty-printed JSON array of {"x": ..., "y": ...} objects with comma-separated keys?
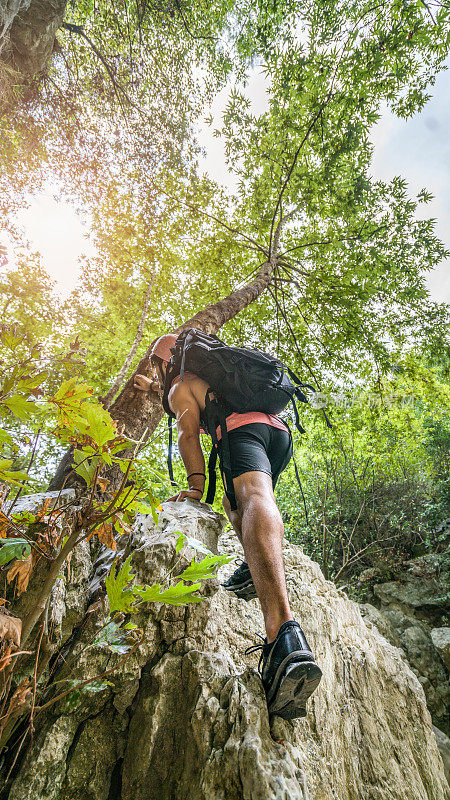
[
  {"x": 298, "y": 683},
  {"x": 245, "y": 591}
]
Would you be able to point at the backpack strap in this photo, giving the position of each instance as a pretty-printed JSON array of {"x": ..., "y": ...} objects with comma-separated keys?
[
  {"x": 212, "y": 477},
  {"x": 297, "y": 473},
  {"x": 216, "y": 416},
  {"x": 299, "y": 427},
  {"x": 301, "y": 396},
  {"x": 170, "y": 451},
  {"x": 185, "y": 339}
]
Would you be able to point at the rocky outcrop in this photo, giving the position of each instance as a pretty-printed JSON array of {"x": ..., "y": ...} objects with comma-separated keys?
[
  {"x": 441, "y": 640},
  {"x": 185, "y": 716},
  {"x": 411, "y": 612}
]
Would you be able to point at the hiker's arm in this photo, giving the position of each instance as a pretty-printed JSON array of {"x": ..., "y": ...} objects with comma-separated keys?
[
  {"x": 187, "y": 413},
  {"x": 146, "y": 384}
]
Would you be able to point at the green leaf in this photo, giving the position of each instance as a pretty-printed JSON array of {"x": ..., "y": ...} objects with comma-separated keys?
[
  {"x": 120, "y": 597},
  {"x": 83, "y": 466},
  {"x": 190, "y": 541},
  {"x": 177, "y": 595},
  {"x": 99, "y": 425},
  {"x": 33, "y": 381},
  {"x": 14, "y": 548},
  {"x": 20, "y": 407},
  {"x": 10, "y": 340},
  {"x": 16, "y": 475},
  {"x": 7, "y": 474},
  {"x": 5, "y": 438},
  {"x": 97, "y": 686},
  {"x": 65, "y": 388},
  {"x": 202, "y": 570}
]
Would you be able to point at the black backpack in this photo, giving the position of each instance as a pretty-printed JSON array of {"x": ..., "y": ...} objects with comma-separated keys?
[{"x": 241, "y": 380}]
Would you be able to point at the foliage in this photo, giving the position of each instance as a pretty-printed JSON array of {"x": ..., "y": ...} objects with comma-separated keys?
[
  {"x": 124, "y": 597},
  {"x": 371, "y": 491},
  {"x": 111, "y": 127},
  {"x": 36, "y": 545}
]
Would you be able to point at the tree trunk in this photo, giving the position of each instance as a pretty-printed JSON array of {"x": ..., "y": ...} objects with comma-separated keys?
[
  {"x": 27, "y": 40},
  {"x": 139, "y": 412}
]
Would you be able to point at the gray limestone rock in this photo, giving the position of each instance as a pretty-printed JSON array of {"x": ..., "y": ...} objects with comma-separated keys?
[
  {"x": 443, "y": 743},
  {"x": 441, "y": 640},
  {"x": 413, "y": 607},
  {"x": 382, "y": 623},
  {"x": 186, "y": 715}
]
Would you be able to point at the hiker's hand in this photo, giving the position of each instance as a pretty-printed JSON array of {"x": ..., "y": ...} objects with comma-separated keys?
[
  {"x": 191, "y": 494},
  {"x": 146, "y": 384}
]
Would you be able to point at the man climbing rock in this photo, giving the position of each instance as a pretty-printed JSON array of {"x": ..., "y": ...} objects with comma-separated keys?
[{"x": 259, "y": 447}]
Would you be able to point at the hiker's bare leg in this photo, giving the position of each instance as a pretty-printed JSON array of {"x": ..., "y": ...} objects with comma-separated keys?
[
  {"x": 234, "y": 517},
  {"x": 262, "y": 539}
]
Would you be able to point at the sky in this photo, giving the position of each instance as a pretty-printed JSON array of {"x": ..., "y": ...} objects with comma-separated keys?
[{"x": 418, "y": 149}]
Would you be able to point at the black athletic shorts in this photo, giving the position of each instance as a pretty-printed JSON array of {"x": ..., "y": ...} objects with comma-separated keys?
[{"x": 258, "y": 447}]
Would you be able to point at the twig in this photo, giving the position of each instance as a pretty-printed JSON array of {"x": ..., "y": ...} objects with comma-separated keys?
[
  {"x": 107, "y": 400},
  {"x": 235, "y": 231},
  {"x": 90, "y": 680},
  {"x": 185, "y": 25},
  {"x": 27, "y": 470}
]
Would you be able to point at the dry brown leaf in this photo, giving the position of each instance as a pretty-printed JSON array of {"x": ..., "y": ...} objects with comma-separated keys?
[
  {"x": 5, "y": 525},
  {"x": 10, "y": 628},
  {"x": 103, "y": 483},
  {"x": 22, "y": 570},
  {"x": 5, "y": 656},
  {"x": 105, "y": 535},
  {"x": 21, "y": 695},
  {"x": 43, "y": 510}
]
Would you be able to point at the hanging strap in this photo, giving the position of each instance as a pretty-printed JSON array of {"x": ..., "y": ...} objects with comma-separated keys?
[
  {"x": 297, "y": 473},
  {"x": 300, "y": 383},
  {"x": 170, "y": 451},
  {"x": 183, "y": 355},
  {"x": 298, "y": 425},
  {"x": 212, "y": 477},
  {"x": 216, "y": 417},
  {"x": 301, "y": 396}
]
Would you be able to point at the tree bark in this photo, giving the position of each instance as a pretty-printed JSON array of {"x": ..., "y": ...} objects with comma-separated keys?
[
  {"x": 140, "y": 412},
  {"x": 28, "y": 32}
]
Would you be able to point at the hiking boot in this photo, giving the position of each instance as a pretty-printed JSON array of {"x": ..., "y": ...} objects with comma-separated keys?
[
  {"x": 241, "y": 583},
  {"x": 288, "y": 671}
]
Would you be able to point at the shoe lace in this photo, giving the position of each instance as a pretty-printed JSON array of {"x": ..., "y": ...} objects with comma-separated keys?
[{"x": 254, "y": 647}]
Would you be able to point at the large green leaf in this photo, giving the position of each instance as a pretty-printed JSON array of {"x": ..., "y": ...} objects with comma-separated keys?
[
  {"x": 14, "y": 548},
  {"x": 202, "y": 570},
  {"x": 99, "y": 425},
  {"x": 84, "y": 466},
  {"x": 20, "y": 407},
  {"x": 179, "y": 594},
  {"x": 120, "y": 596}
]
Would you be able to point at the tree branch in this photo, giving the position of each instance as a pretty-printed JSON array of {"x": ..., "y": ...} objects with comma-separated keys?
[{"x": 107, "y": 400}]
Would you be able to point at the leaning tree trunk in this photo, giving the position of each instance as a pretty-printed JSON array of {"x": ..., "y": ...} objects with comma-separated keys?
[
  {"x": 27, "y": 40},
  {"x": 139, "y": 413}
]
